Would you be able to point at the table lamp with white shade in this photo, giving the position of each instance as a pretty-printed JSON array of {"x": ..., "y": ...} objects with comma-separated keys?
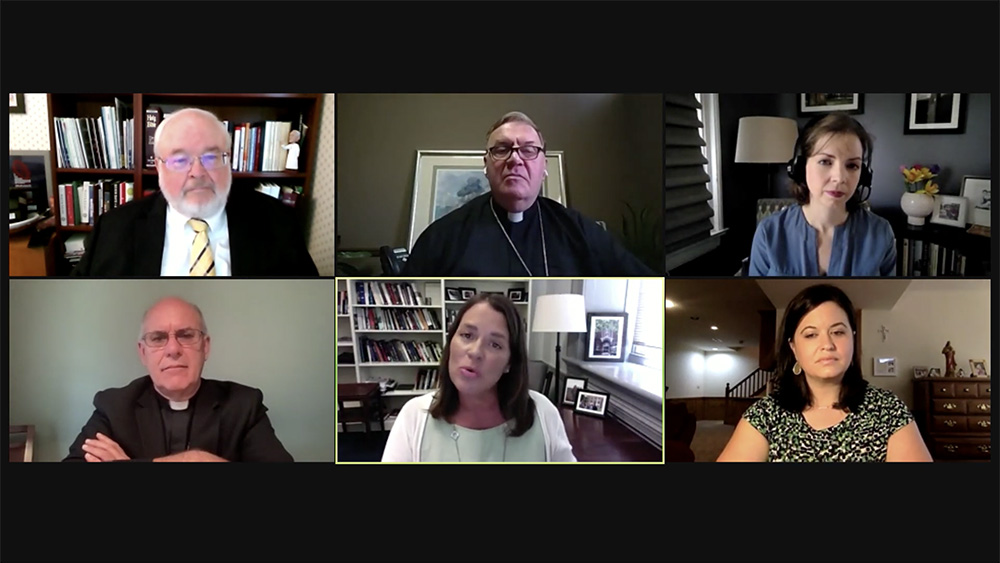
[
  {"x": 559, "y": 313},
  {"x": 766, "y": 140}
]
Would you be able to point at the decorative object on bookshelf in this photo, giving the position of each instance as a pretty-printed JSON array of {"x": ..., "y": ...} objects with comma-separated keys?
[
  {"x": 16, "y": 103},
  {"x": 919, "y": 372},
  {"x": 976, "y": 189},
  {"x": 292, "y": 161},
  {"x": 949, "y": 360},
  {"x": 978, "y": 368},
  {"x": 593, "y": 403},
  {"x": 934, "y": 113},
  {"x": 570, "y": 390},
  {"x": 950, "y": 210},
  {"x": 452, "y": 294},
  {"x": 517, "y": 295},
  {"x": 917, "y": 207},
  {"x": 884, "y": 367},
  {"x": 918, "y": 200},
  {"x": 446, "y": 180},
  {"x": 811, "y": 104},
  {"x": 467, "y": 292},
  {"x": 606, "y": 337}
]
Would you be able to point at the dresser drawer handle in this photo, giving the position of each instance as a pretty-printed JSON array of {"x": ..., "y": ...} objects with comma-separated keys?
[
  {"x": 983, "y": 406},
  {"x": 985, "y": 449},
  {"x": 950, "y": 447},
  {"x": 944, "y": 389},
  {"x": 966, "y": 389},
  {"x": 951, "y": 406},
  {"x": 984, "y": 423},
  {"x": 950, "y": 423}
]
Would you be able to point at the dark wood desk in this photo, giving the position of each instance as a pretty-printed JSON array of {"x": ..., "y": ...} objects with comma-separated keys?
[
  {"x": 605, "y": 439},
  {"x": 368, "y": 395}
]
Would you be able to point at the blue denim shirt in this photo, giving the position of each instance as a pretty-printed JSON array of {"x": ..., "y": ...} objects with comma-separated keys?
[{"x": 785, "y": 245}]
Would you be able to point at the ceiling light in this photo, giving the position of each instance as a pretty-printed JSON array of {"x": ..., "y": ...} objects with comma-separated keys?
[{"x": 715, "y": 327}]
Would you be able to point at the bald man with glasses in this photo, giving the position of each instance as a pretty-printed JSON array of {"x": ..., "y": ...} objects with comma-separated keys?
[
  {"x": 512, "y": 230},
  {"x": 196, "y": 225},
  {"x": 173, "y": 414}
]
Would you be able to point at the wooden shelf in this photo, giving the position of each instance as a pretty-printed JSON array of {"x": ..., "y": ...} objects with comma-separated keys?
[
  {"x": 383, "y": 331},
  {"x": 96, "y": 171}
]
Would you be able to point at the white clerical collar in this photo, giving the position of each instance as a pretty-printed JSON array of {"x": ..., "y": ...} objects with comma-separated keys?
[
  {"x": 178, "y": 405},
  {"x": 176, "y": 220},
  {"x": 515, "y": 217}
]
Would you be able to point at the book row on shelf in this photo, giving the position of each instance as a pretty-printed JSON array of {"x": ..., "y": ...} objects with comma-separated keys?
[
  {"x": 289, "y": 195},
  {"x": 104, "y": 142},
  {"x": 343, "y": 302},
  {"x": 395, "y": 319},
  {"x": 396, "y": 350},
  {"x": 924, "y": 258},
  {"x": 81, "y": 202},
  {"x": 388, "y": 293}
]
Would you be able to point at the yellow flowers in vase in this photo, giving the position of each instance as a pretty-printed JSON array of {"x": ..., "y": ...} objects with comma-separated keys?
[{"x": 918, "y": 178}]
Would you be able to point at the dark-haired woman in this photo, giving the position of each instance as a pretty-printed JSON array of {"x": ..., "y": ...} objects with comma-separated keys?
[
  {"x": 822, "y": 409},
  {"x": 828, "y": 233},
  {"x": 483, "y": 410}
]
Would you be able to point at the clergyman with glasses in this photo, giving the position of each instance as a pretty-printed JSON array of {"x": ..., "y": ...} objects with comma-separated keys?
[
  {"x": 195, "y": 224},
  {"x": 513, "y": 230},
  {"x": 173, "y": 414}
]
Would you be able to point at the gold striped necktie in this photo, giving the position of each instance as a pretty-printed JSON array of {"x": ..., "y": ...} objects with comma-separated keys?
[{"x": 202, "y": 262}]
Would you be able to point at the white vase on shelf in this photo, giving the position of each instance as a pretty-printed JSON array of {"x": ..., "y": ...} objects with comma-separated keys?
[{"x": 917, "y": 207}]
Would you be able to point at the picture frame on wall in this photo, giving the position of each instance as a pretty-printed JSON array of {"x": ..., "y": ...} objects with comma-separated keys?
[
  {"x": 30, "y": 185},
  {"x": 447, "y": 180},
  {"x": 884, "y": 367},
  {"x": 950, "y": 210},
  {"x": 812, "y": 104},
  {"x": 976, "y": 189},
  {"x": 935, "y": 113},
  {"x": 606, "y": 337},
  {"x": 16, "y": 103}
]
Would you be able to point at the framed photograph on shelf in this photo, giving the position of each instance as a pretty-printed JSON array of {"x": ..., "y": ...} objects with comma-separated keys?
[
  {"x": 593, "y": 403},
  {"x": 935, "y": 113},
  {"x": 517, "y": 295},
  {"x": 978, "y": 368},
  {"x": 811, "y": 104},
  {"x": 467, "y": 293},
  {"x": 934, "y": 372},
  {"x": 573, "y": 385},
  {"x": 884, "y": 367},
  {"x": 919, "y": 372},
  {"x": 950, "y": 210},
  {"x": 452, "y": 294},
  {"x": 606, "y": 337},
  {"x": 447, "y": 180},
  {"x": 976, "y": 189},
  {"x": 16, "y": 104},
  {"x": 30, "y": 183}
]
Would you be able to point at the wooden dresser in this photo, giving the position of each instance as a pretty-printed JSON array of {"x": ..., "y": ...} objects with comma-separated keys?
[{"x": 954, "y": 415}]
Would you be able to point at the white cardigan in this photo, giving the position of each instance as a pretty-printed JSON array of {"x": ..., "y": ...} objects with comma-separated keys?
[{"x": 407, "y": 432}]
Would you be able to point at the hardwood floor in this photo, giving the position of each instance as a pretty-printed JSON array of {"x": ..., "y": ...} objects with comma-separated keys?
[{"x": 710, "y": 439}]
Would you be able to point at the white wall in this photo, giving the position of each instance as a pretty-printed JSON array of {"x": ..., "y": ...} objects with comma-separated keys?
[
  {"x": 929, "y": 313},
  {"x": 684, "y": 373},
  {"x": 728, "y": 367},
  {"x": 72, "y": 338}
]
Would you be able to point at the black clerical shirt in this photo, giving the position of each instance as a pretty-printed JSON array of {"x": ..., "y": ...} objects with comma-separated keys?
[
  {"x": 176, "y": 426},
  {"x": 470, "y": 242}
]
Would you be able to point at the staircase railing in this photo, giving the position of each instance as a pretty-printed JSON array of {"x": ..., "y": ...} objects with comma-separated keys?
[{"x": 751, "y": 385}]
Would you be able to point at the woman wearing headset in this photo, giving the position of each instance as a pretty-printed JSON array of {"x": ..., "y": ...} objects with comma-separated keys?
[{"x": 828, "y": 233}]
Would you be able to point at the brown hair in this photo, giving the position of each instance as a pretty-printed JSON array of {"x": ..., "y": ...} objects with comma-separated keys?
[
  {"x": 512, "y": 388},
  {"x": 836, "y": 123},
  {"x": 519, "y": 117},
  {"x": 791, "y": 390}
]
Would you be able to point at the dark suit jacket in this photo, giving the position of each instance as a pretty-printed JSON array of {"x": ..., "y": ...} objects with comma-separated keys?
[
  {"x": 230, "y": 421},
  {"x": 265, "y": 239}
]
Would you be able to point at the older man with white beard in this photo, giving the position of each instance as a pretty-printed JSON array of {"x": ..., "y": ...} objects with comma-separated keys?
[{"x": 196, "y": 225}]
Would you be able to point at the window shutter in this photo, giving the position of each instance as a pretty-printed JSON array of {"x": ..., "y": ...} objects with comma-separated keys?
[
  {"x": 648, "y": 322},
  {"x": 688, "y": 212}
]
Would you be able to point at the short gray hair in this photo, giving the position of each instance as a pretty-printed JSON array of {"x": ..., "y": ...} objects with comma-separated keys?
[
  {"x": 518, "y": 117},
  {"x": 145, "y": 315},
  {"x": 190, "y": 111}
]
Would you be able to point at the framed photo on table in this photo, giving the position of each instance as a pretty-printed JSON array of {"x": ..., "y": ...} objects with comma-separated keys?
[
  {"x": 935, "y": 113},
  {"x": 593, "y": 403},
  {"x": 447, "y": 180},
  {"x": 812, "y": 104},
  {"x": 950, "y": 210},
  {"x": 976, "y": 189},
  {"x": 606, "y": 337},
  {"x": 571, "y": 389}
]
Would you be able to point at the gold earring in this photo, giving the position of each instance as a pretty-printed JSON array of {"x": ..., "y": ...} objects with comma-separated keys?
[{"x": 796, "y": 369}]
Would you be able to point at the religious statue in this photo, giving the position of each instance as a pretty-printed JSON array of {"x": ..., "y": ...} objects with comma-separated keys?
[
  {"x": 949, "y": 360},
  {"x": 292, "y": 162}
]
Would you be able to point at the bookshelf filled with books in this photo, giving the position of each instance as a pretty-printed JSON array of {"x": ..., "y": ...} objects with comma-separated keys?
[
  {"x": 102, "y": 150},
  {"x": 941, "y": 251},
  {"x": 393, "y": 331}
]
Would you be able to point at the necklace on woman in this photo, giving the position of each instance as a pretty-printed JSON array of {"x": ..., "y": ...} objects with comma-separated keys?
[
  {"x": 545, "y": 256},
  {"x": 455, "y": 436}
]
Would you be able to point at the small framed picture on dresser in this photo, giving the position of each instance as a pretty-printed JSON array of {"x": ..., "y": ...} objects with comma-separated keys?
[
  {"x": 978, "y": 368},
  {"x": 919, "y": 372}
]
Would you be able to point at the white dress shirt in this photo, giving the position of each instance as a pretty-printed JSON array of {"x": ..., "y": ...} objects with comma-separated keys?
[{"x": 179, "y": 238}]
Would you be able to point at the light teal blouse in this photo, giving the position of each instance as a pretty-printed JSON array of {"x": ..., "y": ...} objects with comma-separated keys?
[{"x": 446, "y": 442}]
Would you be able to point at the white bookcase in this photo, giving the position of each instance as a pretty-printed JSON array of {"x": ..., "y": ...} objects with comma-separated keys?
[{"x": 430, "y": 303}]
